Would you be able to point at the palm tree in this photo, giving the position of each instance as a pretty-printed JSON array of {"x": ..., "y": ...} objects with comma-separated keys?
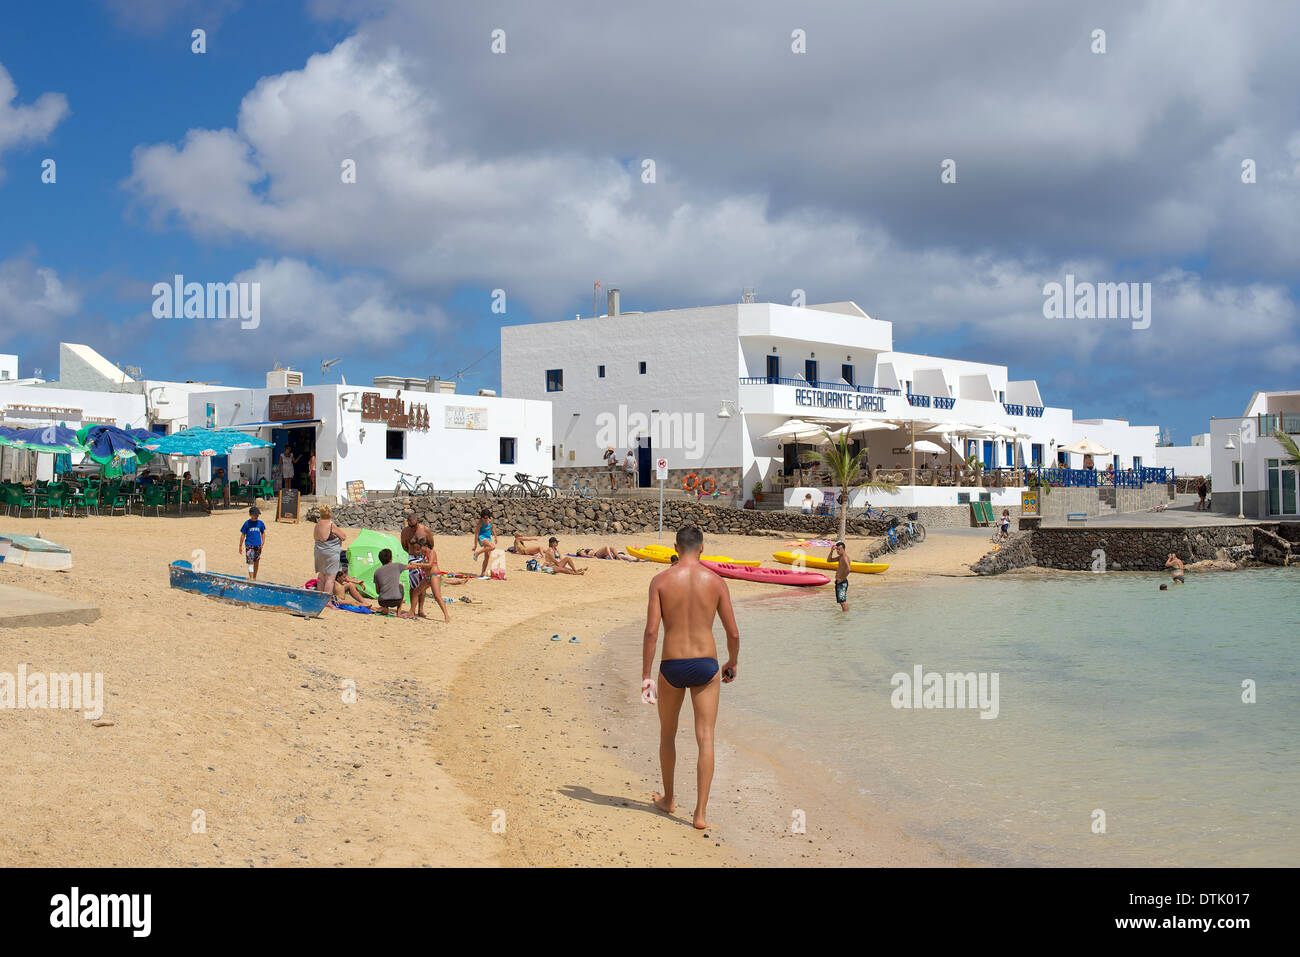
[
  {"x": 1289, "y": 447},
  {"x": 847, "y": 471}
]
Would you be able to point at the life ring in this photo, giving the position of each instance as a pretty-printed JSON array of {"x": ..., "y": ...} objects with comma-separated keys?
[
  {"x": 707, "y": 485},
  {"x": 688, "y": 483}
]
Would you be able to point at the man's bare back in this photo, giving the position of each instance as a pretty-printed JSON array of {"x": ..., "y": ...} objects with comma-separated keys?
[{"x": 685, "y": 598}]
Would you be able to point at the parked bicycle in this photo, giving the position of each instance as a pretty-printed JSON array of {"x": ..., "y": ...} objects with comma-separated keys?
[
  {"x": 494, "y": 484},
  {"x": 532, "y": 487},
  {"x": 914, "y": 530},
  {"x": 582, "y": 490},
  {"x": 405, "y": 483}
]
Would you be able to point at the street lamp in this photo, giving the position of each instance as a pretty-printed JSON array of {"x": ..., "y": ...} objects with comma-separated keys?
[
  {"x": 1241, "y": 472},
  {"x": 728, "y": 406}
]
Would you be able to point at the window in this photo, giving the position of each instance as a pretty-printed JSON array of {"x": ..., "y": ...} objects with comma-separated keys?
[
  {"x": 1236, "y": 473},
  {"x": 1063, "y": 459},
  {"x": 1002, "y": 397},
  {"x": 642, "y": 369},
  {"x": 554, "y": 380},
  {"x": 846, "y": 373},
  {"x": 4, "y": 373},
  {"x": 396, "y": 444},
  {"x": 810, "y": 370},
  {"x": 600, "y": 372},
  {"x": 907, "y": 386},
  {"x": 773, "y": 368},
  {"x": 507, "y": 451}
]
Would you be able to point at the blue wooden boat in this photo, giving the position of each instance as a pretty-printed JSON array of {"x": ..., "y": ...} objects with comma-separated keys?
[{"x": 308, "y": 603}]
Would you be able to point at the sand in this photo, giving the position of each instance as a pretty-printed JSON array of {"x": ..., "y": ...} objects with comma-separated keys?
[{"x": 235, "y": 740}]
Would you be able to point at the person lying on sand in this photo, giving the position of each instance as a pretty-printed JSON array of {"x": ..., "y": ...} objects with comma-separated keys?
[
  {"x": 560, "y": 563},
  {"x": 608, "y": 552},
  {"x": 521, "y": 548}
]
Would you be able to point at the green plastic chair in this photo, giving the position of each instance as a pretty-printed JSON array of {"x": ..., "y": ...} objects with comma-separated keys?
[
  {"x": 86, "y": 498},
  {"x": 152, "y": 496},
  {"x": 15, "y": 496},
  {"x": 265, "y": 489},
  {"x": 55, "y": 495}
]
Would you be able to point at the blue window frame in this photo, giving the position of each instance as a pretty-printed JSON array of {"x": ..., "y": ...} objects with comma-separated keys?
[
  {"x": 988, "y": 454},
  {"x": 810, "y": 370},
  {"x": 774, "y": 367},
  {"x": 642, "y": 370},
  {"x": 600, "y": 371},
  {"x": 554, "y": 380},
  {"x": 1036, "y": 454},
  {"x": 846, "y": 373}
]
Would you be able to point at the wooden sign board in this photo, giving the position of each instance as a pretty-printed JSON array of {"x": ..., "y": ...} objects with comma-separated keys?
[
  {"x": 291, "y": 407},
  {"x": 356, "y": 491},
  {"x": 287, "y": 505},
  {"x": 394, "y": 412},
  {"x": 1029, "y": 504}
]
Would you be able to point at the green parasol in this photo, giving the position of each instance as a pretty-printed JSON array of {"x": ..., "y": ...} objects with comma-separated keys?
[{"x": 363, "y": 559}]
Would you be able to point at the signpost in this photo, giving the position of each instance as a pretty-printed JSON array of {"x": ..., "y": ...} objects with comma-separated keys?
[
  {"x": 661, "y": 473},
  {"x": 287, "y": 506}
]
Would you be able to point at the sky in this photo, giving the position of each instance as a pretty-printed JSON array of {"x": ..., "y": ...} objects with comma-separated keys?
[{"x": 939, "y": 163}]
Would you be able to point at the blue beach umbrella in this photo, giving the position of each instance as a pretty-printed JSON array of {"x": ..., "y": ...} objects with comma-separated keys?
[
  {"x": 50, "y": 438},
  {"x": 203, "y": 442},
  {"x": 107, "y": 442}
]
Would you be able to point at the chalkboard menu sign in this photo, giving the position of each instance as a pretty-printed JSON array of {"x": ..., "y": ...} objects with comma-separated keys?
[
  {"x": 291, "y": 407},
  {"x": 287, "y": 508}
]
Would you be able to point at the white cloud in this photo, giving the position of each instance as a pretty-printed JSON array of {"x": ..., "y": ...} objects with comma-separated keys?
[
  {"x": 20, "y": 124},
  {"x": 33, "y": 299}
]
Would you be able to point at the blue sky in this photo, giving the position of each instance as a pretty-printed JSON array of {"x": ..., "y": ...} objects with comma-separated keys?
[{"x": 816, "y": 171}]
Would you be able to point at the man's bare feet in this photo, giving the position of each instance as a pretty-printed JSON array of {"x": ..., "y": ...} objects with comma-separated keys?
[
  {"x": 665, "y": 804},
  {"x": 699, "y": 822}
]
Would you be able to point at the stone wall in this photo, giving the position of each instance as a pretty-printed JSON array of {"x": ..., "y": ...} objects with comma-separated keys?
[
  {"x": 1141, "y": 499},
  {"x": 1059, "y": 502},
  {"x": 726, "y": 479},
  {"x": 1015, "y": 552},
  {"x": 535, "y": 516}
]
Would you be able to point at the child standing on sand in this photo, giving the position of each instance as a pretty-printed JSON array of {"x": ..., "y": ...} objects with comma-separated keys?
[
  {"x": 485, "y": 542},
  {"x": 252, "y": 536},
  {"x": 422, "y": 570}
]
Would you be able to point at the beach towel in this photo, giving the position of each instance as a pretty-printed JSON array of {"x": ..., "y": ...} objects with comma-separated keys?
[{"x": 357, "y": 608}]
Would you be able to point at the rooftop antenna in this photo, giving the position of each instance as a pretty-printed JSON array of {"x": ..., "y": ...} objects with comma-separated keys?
[
  {"x": 747, "y": 295},
  {"x": 460, "y": 376},
  {"x": 325, "y": 365},
  {"x": 595, "y": 300}
]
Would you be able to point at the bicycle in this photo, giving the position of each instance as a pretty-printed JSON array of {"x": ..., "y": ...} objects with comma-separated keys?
[
  {"x": 493, "y": 486},
  {"x": 530, "y": 487},
  {"x": 404, "y": 484},
  {"x": 914, "y": 530},
  {"x": 894, "y": 541},
  {"x": 581, "y": 490},
  {"x": 875, "y": 514}
]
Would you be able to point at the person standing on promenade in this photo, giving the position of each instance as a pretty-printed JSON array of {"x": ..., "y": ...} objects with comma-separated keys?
[
  {"x": 1201, "y": 491},
  {"x": 685, "y": 598},
  {"x": 611, "y": 463}
]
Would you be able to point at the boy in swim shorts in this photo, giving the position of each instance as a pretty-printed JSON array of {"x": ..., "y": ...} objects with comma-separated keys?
[{"x": 840, "y": 555}]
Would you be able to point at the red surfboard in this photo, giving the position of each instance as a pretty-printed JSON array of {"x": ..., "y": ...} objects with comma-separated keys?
[{"x": 770, "y": 576}]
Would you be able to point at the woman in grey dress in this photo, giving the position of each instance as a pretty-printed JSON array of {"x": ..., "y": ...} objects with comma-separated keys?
[{"x": 328, "y": 549}]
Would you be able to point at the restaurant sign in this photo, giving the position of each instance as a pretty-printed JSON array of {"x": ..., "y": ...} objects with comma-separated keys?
[
  {"x": 832, "y": 399},
  {"x": 396, "y": 413},
  {"x": 465, "y": 417},
  {"x": 291, "y": 407}
]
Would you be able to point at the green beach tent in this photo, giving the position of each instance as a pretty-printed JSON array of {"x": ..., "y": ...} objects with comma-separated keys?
[{"x": 363, "y": 558}]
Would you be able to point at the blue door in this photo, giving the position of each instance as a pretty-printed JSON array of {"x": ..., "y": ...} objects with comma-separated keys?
[
  {"x": 773, "y": 369},
  {"x": 988, "y": 454}
]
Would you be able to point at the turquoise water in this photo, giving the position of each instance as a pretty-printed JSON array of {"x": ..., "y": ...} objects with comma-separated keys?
[{"x": 1113, "y": 696}]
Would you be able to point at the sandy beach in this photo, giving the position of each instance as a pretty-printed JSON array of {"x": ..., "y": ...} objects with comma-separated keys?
[{"x": 481, "y": 742}]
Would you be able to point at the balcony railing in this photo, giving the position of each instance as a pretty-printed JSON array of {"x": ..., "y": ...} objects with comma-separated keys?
[
  {"x": 944, "y": 402},
  {"x": 920, "y": 401},
  {"x": 817, "y": 384},
  {"x": 1288, "y": 422},
  {"x": 1034, "y": 411},
  {"x": 1012, "y": 408}
]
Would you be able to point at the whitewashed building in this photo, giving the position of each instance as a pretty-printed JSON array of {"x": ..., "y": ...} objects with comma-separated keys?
[
  {"x": 368, "y": 434},
  {"x": 1249, "y": 467},
  {"x": 701, "y": 387}
]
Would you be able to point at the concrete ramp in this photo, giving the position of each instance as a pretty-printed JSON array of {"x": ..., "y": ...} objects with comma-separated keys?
[{"x": 20, "y": 608}]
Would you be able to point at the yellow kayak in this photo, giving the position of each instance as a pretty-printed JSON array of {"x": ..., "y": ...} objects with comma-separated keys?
[
  {"x": 790, "y": 558},
  {"x": 663, "y": 555}
]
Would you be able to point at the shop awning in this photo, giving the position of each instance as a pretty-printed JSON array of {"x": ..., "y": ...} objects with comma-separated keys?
[{"x": 248, "y": 426}]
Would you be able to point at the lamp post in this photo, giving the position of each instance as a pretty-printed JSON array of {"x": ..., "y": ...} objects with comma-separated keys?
[{"x": 1241, "y": 472}]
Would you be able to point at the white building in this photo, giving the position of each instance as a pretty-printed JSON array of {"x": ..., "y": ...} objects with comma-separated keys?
[
  {"x": 1269, "y": 489},
  {"x": 364, "y": 434},
  {"x": 701, "y": 386},
  {"x": 8, "y": 367}
]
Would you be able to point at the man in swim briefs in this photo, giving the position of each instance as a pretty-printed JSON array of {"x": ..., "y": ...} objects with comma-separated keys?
[
  {"x": 685, "y": 597},
  {"x": 413, "y": 529},
  {"x": 1176, "y": 563},
  {"x": 840, "y": 555}
]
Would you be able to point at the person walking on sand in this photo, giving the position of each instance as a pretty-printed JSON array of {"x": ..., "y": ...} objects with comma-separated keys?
[
  {"x": 485, "y": 542},
  {"x": 252, "y": 536},
  {"x": 685, "y": 598},
  {"x": 422, "y": 576},
  {"x": 840, "y": 555}
]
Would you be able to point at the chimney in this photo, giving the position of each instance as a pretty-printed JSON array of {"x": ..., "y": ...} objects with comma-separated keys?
[{"x": 611, "y": 301}]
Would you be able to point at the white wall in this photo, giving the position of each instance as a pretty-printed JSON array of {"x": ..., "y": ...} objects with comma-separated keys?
[
  {"x": 692, "y": 364},
  {"x": 1184, "y": 459},
  {"x": 8, "y": 367},
  {"x": 449, "y": 458}
]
